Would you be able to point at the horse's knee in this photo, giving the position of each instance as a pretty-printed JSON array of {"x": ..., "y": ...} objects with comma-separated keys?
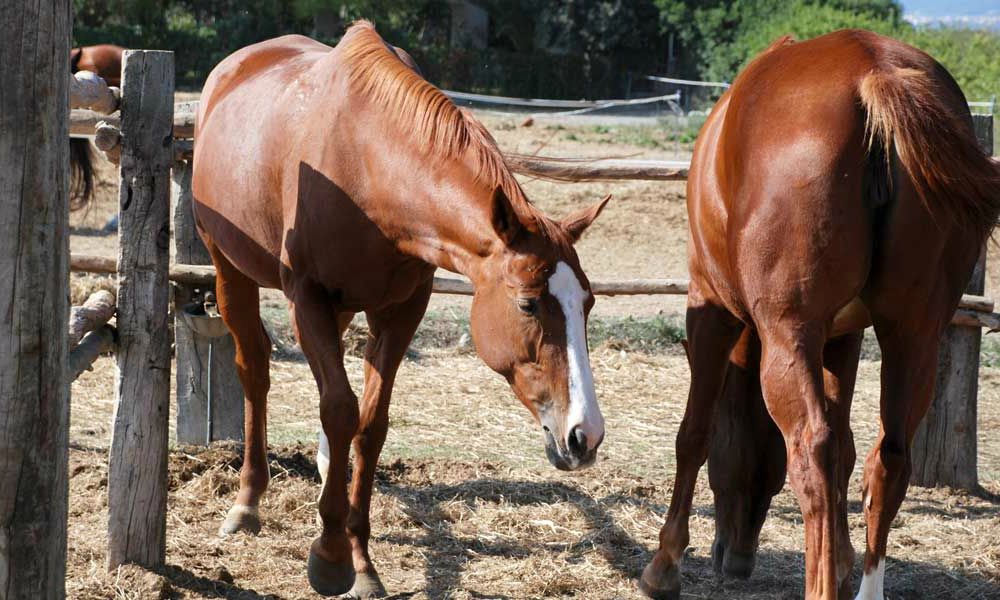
[
  {"x": 693, "y": 439},
  {"x": 894, "y": 456},
  {"x": 339, "y": 413}
]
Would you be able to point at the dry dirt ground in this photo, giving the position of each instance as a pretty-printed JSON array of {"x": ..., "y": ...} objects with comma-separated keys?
[{"x": 466, "y": 505}]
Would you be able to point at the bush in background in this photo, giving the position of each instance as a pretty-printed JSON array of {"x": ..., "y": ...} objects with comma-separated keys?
[{"x": 553, "y": 49}]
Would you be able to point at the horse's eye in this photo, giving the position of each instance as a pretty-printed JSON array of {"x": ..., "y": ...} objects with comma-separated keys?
[{"x": 528, "y": 306}]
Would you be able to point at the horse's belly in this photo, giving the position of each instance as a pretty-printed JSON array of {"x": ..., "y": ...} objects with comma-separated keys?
[
  {"x": 254, "y": 251},
  {"x": 852, "y": 317}
]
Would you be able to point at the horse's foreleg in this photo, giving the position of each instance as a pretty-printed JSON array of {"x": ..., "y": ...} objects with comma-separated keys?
[
  {"x": 711, "y": 332},
  {"x": 331, "y": 569},
  {"x": 390, "y": 334}
]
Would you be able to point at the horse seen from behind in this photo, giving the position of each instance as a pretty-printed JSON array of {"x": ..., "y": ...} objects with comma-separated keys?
[
  {"x": 837, "y": 184},
  {"x": 343, "y": 178}
]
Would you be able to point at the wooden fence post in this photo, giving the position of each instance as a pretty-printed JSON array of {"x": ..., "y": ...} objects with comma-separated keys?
[
  {"x": 137, "y": 469},
  {"x": 945, "y": 446},
  {"x": 34, "y": 305},
  {"x": 191, "y": 349}
]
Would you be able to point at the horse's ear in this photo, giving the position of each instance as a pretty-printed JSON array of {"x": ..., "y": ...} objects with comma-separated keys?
[
  {"x": 578, "y": 222},
  {"x": 505, "y": 221}
]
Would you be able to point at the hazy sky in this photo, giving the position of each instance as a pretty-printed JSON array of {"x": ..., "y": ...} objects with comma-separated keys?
[{"x": 940, "y": 8}]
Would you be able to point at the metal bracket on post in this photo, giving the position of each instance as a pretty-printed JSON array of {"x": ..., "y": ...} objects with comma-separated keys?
[
  {"x": 207, "y": 379},
  {"x": 204, "y": 320}
]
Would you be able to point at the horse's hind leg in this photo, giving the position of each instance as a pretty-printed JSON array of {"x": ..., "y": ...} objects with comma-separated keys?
[
  {"x": 793, "y": 384},
  {"x": 390, "y": 334},
  {"x": 746, "y": 465},
  {"x": 239, "y": 303},
  {"x": 909, "y": 368},
  {"x": 840, "y": 370},
  {"x": 711, "y": 332}
]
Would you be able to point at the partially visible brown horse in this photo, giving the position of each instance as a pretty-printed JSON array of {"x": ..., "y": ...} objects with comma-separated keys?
[
  {"x": 838, "y": 183},
  {"x": 106, "y": 61},
  {"x": 343, "y": 178},
  {"x": 103, "y": 59},
  {"x": 746, "y": 463}
]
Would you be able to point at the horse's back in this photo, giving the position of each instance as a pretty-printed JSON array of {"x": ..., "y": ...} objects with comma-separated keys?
[
  {"x": 280, "y": 59},
  {"x": 242, "y": 129}
]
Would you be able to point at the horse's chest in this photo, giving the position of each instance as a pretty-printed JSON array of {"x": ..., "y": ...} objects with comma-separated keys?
[{"x": 362, "y": 274}]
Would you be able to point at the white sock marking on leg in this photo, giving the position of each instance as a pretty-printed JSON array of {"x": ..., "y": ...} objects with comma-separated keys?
[
  {"x": 323, "y": 456},
  {"x": 873, "y": 584}
]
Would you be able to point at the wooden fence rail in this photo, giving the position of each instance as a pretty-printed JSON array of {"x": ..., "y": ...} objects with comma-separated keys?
[
  {"x": 974, "y": 310},
  {"x": 89, "y": 334}
]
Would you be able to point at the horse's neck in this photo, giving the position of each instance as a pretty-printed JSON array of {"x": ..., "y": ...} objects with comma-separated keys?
[
  {"x": 439, "y": 224},
  {"x": 432, "y": 209}
]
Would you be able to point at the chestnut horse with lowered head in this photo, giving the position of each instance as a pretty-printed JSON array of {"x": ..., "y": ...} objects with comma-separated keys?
[
  {"x": 343, "y": 178},
  {"x": 837, "y": 184}
]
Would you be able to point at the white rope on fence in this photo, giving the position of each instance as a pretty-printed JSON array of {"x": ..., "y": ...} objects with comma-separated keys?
[
  {"x": 668, "y": 98},
  {"x": 510, "y": 101},
  {"x": 721, "y": 84},
  {"x": 575, "y": 107}
]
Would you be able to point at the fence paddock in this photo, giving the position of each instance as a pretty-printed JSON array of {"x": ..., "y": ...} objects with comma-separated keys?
[
  {"x": 192, "y": 349},
  {"x": 137, "y": 467}
]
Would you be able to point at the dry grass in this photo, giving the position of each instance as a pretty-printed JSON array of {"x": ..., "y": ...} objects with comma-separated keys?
[{"x": 466, "y": 505}]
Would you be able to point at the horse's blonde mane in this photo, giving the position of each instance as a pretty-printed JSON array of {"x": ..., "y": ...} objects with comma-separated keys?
[{"x": 435, "y": 124}]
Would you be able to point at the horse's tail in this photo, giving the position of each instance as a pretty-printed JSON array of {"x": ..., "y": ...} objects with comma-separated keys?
[
  {"x": 920, "y": 115},
  {"x": 81, "y": 160}
]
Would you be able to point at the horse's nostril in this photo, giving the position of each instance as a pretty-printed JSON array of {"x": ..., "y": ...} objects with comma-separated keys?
[
  {"x": 577, "y": 441},
  {"x": 545, "y": 428}
]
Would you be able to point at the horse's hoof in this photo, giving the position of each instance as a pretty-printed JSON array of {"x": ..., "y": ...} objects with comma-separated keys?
[
  {"x": 660, "y": 585},
  {"x": 330, "y": 579},
  {"x": 366, "y": 585},
  {"x": 718, "y": 557},
  {"x": 241, "y": 518},
  {"x": 738, "y": 564}
]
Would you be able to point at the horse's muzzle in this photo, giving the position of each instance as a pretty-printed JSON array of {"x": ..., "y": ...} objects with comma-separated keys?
[{"x": 573, "y": 455}]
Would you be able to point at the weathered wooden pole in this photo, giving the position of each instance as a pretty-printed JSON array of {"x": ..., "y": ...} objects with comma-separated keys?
[
  {"x": 34, "y": 305},
  {"x": 945, "y": 447},
  {"x": 137, "y": 468},
  {"x": 191, "y": 349}
]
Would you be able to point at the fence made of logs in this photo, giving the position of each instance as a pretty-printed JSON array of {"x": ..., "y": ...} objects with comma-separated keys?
[{"x": 209, "y": 397}]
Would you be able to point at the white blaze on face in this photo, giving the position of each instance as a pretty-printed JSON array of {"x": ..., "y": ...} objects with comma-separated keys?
[
  {"x": 873, "y": 584},
  {"x": 583, "y": 409}
]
